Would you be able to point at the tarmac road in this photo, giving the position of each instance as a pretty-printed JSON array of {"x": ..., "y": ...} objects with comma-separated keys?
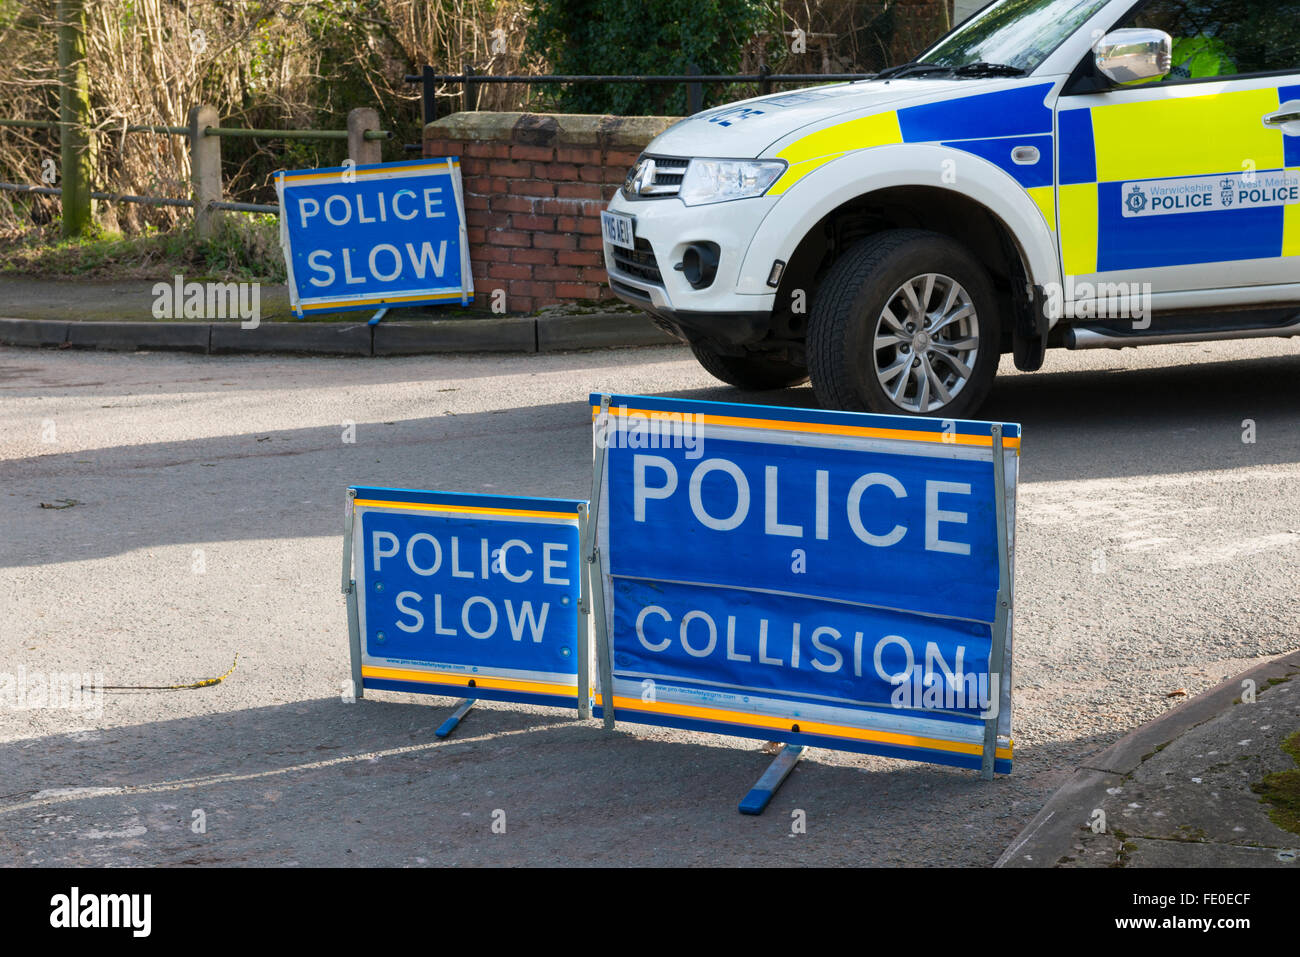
[{"x": 1157, "y": 551}]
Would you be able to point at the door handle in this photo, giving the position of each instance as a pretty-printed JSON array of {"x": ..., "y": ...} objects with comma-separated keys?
[{"x": 1281, "y": 119}]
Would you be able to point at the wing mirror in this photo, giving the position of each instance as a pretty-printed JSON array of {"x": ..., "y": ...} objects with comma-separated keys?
[{"x": 1126, "y": 57}]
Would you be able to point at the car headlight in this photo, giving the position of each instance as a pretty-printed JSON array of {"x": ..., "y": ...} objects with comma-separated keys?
[{"x": 717, "y": 181}]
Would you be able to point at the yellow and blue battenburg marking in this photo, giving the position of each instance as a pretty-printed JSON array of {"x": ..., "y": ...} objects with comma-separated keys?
[
  {"x": 389, "y": 234},
  {"x": 1011, "y": 128},
  {"x": 468, "y": 595},
  {"x": 817, "y": 578},
  {"x": 1179, "y": 180}
]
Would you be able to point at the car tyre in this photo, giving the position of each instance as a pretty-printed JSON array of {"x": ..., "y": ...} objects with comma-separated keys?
[
  {"x": 905, "y": 323},
  {"x": 754, "y": 372}
]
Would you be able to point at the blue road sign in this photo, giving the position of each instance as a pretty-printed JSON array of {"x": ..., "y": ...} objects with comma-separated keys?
[
  {"x": 391, "y": 234},
  {"x": 473, "y": 595},
  {"x": 820, "y": 578}
]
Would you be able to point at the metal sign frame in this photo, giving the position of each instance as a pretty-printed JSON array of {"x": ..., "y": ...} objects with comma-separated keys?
[
  {"x": 483, "y": 682},
  {"x": 344, "y": 176},
  {"x": 990, "y": 752}
]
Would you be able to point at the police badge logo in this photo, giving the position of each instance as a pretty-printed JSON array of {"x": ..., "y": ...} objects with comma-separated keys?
[
  {"x": 1226, "y": 196},
  {"x": 1137, "y": 200}
]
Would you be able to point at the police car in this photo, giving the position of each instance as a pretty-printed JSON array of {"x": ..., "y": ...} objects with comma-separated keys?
[{"x": 1052, "y": 173}]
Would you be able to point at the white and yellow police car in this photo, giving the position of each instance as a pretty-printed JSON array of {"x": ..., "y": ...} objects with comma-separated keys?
[{"x": 1052, "y": 173}]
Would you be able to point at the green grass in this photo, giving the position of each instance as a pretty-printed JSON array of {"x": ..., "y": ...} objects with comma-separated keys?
[
  {"x": 246, "y": 248},
  {"x": 1282, "y": 790}
]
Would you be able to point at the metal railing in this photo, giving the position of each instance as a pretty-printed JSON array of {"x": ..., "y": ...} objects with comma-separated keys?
[
  {"x": 205, "y": 159},
  {"x": 693, "y": 80}
]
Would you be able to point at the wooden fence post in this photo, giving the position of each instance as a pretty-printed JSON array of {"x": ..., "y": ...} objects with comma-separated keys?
[
  {"x": 76, "y": 152},
  {"x": 361, "y": 150},
  {"x": 205, "y": 170}
]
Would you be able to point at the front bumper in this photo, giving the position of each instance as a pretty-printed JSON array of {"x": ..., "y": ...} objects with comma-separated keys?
[{"x": 647, "y": 278}]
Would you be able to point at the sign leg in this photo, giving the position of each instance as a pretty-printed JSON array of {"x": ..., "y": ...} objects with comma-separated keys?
[
  {"x": 584, "y": 624},
  {"x": 1002, "y": 616},
  {"x": 762, "y": 792},
  {"x": 603, "y": 664},
  {"x": 354, "y": 644},
  {"x": 462, "y": 709}
]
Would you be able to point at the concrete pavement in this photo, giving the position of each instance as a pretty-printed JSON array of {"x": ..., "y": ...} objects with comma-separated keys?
[
  {"x": 198, "y": 510},
  {"x": 1183, "y": 790},
  {"x": 118, "y": 316}
]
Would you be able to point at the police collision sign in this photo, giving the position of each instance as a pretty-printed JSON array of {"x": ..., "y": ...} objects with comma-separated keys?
[
  {"x": 823, "y": 578},
  {"x": 475, "y": 595},
  {"x": 391, "y": 234}
]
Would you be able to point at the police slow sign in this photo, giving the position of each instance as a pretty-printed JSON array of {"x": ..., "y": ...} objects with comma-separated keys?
[
  {"x": 473, "y": 595},
  {"x": 822, "y": 578},
  {"x": 391, "y": 234}
]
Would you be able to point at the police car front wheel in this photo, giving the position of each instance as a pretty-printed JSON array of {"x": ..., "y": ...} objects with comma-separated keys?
[
  {"x": 755, "y": 372},
  {"x": 905, "y": 323}
]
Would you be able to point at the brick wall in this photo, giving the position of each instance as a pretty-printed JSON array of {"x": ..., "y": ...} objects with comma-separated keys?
[{"x": 534, "y": 188}]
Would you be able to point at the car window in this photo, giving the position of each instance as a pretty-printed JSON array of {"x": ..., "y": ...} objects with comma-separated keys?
[
  {"x": 1216, "y": 38},
  {"x": 1020, "y": 33}
]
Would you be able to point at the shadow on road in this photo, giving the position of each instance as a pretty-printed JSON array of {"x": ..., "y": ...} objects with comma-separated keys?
[
  {"x": 289, "y": 484},
  {"x": 321, "y": 782}
]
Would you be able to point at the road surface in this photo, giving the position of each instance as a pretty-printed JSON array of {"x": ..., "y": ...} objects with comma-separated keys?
[{"x": 198, "y": 516}]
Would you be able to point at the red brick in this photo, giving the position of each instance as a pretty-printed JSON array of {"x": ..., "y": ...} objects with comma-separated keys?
[
  {"x": 561, "y": 207},
  {"x": 487, "y": 185},
  {"x": 568, "y": 154},
  {"x": 579, "y": 257},
  {"x": 475, "y": 201},
  {"x": 589, "y": 224},
  {"x": 600, "y": 174},
  {"x": 577, "y": 191},
  {"x": 513, "y": 271},
  {"x": 496, "y": 151},
  {"x": 537, "y": 154},
  {"x": 620, "y": 158},
  {"x": 600, "y": 276},
  {"x": 540, "y": 224},
  {"x": 512, "y": 204},
  {"x": 482, "y": 217},
  {"x": 560, "y": 172},
  {"x": 557, "y": 273},
  {"x": 521, "y": 304},
  {"x": 554, "y": 241},
  {"x": 510, "y": 169},
  {"x": 510, "y": 237},
  {"x": 577, "y": 290},
  {"x": 591, "y": 242},
  {"x": 441, "y": 148},
  {"x": 531, "y": 187},
  {"x": 537, "y": 290},
  {"x": 536, "y": 257},
  {"x": 496, "y": 254},
  {"x": 475, "y": 235}
]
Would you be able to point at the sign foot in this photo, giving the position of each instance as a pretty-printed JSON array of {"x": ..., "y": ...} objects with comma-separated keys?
[
  {"x": 462, "y": 709},
  {"x": 761, "y": 793}
]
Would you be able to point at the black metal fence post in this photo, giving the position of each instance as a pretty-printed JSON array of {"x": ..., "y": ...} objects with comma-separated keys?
[
  {"x": 764, "y": 81},
  {"x": 694, "y": 91},
  {"x": 471, "y": 89},
  {"x": 428, "y": 94}
]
